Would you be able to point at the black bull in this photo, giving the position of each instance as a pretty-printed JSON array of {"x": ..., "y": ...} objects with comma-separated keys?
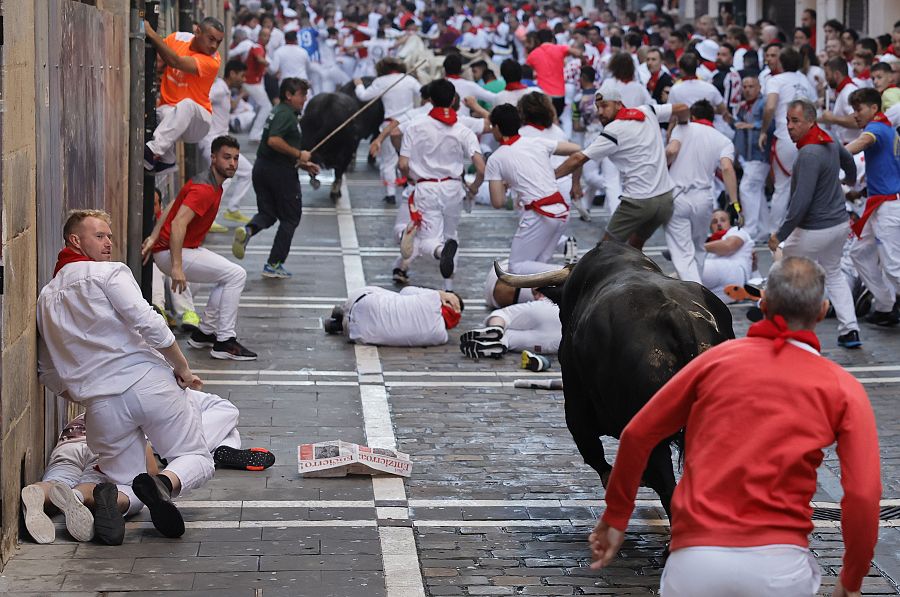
[
  {"x": 627, "y": 328},
  {"x": 326, "y": 112}
]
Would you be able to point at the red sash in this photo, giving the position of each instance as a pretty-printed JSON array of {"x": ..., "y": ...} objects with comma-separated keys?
[
  {"x": 554, "y": 199},
  {"x": 414, "y": 214},
  {"x": 773, "y": 158},
  {"x": 872, "y": 204},
  {"x": 703, "y": 121}
]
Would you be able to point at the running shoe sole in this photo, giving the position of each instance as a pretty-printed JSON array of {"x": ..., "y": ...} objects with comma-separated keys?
[
  {"x": 491, "y": 333},
  {"x": 37, "y": 523},
  {"x": 483, "y": 350},
  {"x": 850, "y": 344},
  {"x": 224, "y": 356},
  {"x": 109, "y": 524},
  {"x": 238, "y": 217},
  {"x": 448, "y": 253},
  {"x": 239, "y": 244},
  {"x": 251, "y": 459},
  {"x": 276, "y": 275},
  {"x": 79, "y": 520},
  {"x": 534, "y": 362},
  {"x": 165, "y": 516},
  {"x": 201, "y": 343}
]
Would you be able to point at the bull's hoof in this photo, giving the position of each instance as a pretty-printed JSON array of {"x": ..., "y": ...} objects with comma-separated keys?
[{"x": 335, "y": 195}]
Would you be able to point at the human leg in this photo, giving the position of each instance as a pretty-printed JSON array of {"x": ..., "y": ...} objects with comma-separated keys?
[
  {"x": 753, "y": 199},
  {"x": 185, "y": 119},
  {"x": 785, "y": 156},
  {"x": 865, "y": 257},
  {"x": 887, "y": 231},
  {"x": 387, "y": 166},
  {"x": 257, "y": 93},
  {"x": 288, "y": 210},
  {"x": 679, "y": 239}
]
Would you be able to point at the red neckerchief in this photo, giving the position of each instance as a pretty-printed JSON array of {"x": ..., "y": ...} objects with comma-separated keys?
[
  {"x": 630, "y": 114},
  {"x": 536, "y": 126},
  {"x": 654, "y": 79},
  {"x": 67, "y": 256},
  {"x": 515, "y": 86},
  {"x": 601, "y": 46},
  {"x": 625, "y": 81},
  {"x": 451, "y": 317},
  {"x": 454, "y": 77},
  {"x": 445, "y": 115},
  {"x": 688, "y": 77},
  {"x": 716, "y": 236},
  {"x": 702, "y": 121},
  {"x": 510, "y": 140},
  {"x": 679, "y": 53},
  {"x": 710, "y": 65},
  {"x": 748, "y": 105},
  {"x": 743, "y": 47},
  {"x": 814, "y": 136},
  {"x": 842, "y": 84},
  {"x": 882, "y": 118},
  {"x": 776, "y": 329},
  {"x": 866, "y": 74}
]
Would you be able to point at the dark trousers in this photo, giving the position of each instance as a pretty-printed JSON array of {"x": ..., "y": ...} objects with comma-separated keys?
[
  {"x": 277, "y": 189},
  {"x": 559, "y": 103}
]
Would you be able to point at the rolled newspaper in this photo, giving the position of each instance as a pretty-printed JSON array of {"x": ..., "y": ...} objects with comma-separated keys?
[{"x": 539, "y": 384}]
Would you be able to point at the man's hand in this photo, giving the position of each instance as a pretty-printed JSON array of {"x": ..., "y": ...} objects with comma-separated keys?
[
  {"x": 827, "y": 117},
  {"x": 840, "y": 591},
  {"x": 179, "y": 282},
  {"x": 470, "y": 101},
  {"x": 147, "y": 248},
  {"x": 375, "y": 148},
  {"x": 357, "y": 82},
  {"x": 148, "y": 29},
  {"x": 743, "y": 125},
  {"x": 187, "y": 379},
  {"x": 576, "y": 193},
  {"x": 605, "y": 543},
  {"x": 763, "y": 137},
  {"x": 773, "y": 243}
]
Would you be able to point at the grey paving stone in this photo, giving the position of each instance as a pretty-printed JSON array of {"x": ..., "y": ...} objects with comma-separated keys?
[
  {"x": 119, "y": 582},
  {"x": 198, "y": 564}
]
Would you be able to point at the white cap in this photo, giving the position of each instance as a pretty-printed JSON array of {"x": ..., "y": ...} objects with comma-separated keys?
[
  {"x": 290, "y": 13},
  {"x": 609, "y": 92},
  {"x": 708, "y": 49}
]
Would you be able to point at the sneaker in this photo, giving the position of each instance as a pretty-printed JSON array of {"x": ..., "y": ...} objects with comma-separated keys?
[
  {"x": 170, "y": 321},
  {"x": 390, "y": 200},
  {"x": 37, "y": 523},
  {"x": 200, "y": 340},
  {"x": 884, "y": 318},
  {"x": 407, "y": 241},
  {"x": 235, "y": 215},
  {"x": 109, "y": 524},
  {"x": 337, "y": 312},
  {"x": 79, "y": 520},
  {"x": 849, "y": 340},
  {"x": 156, "y": 496},
  {"x": 667, "y": 254},
  {"x": 400, "y": 276},
  {"x": 333, "y": 326},
  {"x": 571, "y": 251},
  {"x": 252, "y": 459},
  {"x": 239, "y": 244},
  {"x": 534, "y": 362},
  {"x": 492, "y": 333},
  {"x": 190, "y": 321},
  {"x": 863, "y": 302},
  {"x": 478, "y": 349},
  {"x": 275, "y": 271},
  {"x": 448, "y": 253},
  {"x": 149, "y": 159},
  {"x": 231, "y": 349},
  {"x": 583, "y": 214},
  {"x": 754, "y": 314},
  {"x": 217, "y": 228}
]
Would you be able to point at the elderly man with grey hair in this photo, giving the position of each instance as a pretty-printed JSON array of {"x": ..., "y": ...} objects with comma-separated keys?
[
  {"x": 757, "y": 414},
  {"x": 817, "y": 224}
]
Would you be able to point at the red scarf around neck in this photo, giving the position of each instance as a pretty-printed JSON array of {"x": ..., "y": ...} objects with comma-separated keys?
[
  {"x": 814, "y": 136},
  {"x": 702, "y": 121},
  {"x": 748, "y": 105},
  {"x": 654, "y": 79},
  {"x": 67, "y": 256},
  {"x": 454, "y": 77},
  {"x": 710, "y": 65},
  {"x": 451, "y": 317},
  {"x": 630, "y": 114},
  {"x": 515, "y": 86},
  {"x": 536, "y": 126},
  {"x": 882, "y": 118},
  {"x": 445, "y": 115},
  {"x": 510, "y": 140},
  {"x": 717, "y": 235},
  {"x": 776, "y": 329},
  {"x": 842, "y": 84},
  {"x": 688, "y": 77},
  {"x": 866, "y": 74}
]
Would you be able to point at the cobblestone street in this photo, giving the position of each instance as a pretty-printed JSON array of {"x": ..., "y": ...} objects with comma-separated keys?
[{"x": 499, "y": 501}]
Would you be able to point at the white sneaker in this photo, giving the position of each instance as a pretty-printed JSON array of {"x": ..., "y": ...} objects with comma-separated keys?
[
  {"x": 38, "y": 524},
  {"x": 407, "y": 241},
  {"x": 79, "y": 520}
]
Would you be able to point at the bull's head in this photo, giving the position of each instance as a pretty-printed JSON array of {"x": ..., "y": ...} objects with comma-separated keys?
[{"x": 551, "y": 278}]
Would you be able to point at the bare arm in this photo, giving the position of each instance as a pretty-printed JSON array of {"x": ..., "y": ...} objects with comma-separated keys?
[
  {"x": 375, "y": 146},
  {"x": 576, "y": 160},
  {"x": 831, "y": 118},
  {"x": 864, "y": 141},
  {"x": 148, "y": 243},
  {"x": 672, "y": 150},
  {"x": 403, "y": 165},
  {"x": 566, "y": 148},
  {"x": 282, "y": 146},
  {"x": 475, "y": 108},
  {"x": 768, "y": 114},
  {"x": 729, "y": 177},
  {"x": 498, "y": 193},
  {"x": 478, "y": 162},
  {"x": 167, "y": 54},
  {"x": 183, "y": 373},
  {"x": 724, "y": 247},
  {"x": 176, "y": 243}
]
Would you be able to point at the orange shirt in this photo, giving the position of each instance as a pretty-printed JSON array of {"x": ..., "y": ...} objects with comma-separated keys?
[{"x": 177, "y": 85}]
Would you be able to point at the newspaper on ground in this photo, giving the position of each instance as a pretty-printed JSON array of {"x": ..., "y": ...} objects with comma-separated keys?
[
  {"x": 539, "y": 384},
  {"x": 337, "y": 458}
]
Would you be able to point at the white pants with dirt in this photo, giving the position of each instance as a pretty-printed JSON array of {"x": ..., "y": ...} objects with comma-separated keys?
[
  {"x": 687, "y": 231},
  {"x": 186, "y": 121},
  {"x": 440, "y": 204},
  {"x": 181, "y": 301},
  {"x": 536, "y": 238},
  {"x": 530, "y": 326},
  {"x": 257, "y": 93},
  {"x": 753, "y": 200},
  {"x": 766, "y": 571},
  {"x": 719, "y": 272},
  {"x": 205, "y": 267},
  {"x": 825, "y": 247},
  {"x": 219, "y": 419},
  {"x": 783, "y": 164},
  {"x": 235, "y": 188},
  {"x": 156, "y": 407}
]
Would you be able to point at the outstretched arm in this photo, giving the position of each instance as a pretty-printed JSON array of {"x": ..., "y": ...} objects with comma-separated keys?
[{"x": 168, "y": 55}]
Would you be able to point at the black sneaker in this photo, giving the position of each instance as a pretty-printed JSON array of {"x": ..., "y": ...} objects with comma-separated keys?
[
  {"x": 390, "y": 200},
  {"x": 149, "y": 159},
  {"x": 448, "y": 253},
  {"x": 400, "y": 276},
  {"x": 491, "y": 333},
  {"x": 849, "y": 340},
  {"x": 480, "y": 349},
  {"x": 337, "y": 312},
  {"x": 109, "y": 524},
  {"x": 231, "y": 349},
  {"x": 158, "y": 499},
  {"x": 884, "y": 318},
  {"x": 333, "y": 326},
  {"x": 200, "y": 340},
  {"x": 667, "y": 255},
  {"x": 252, "y": 459},
  {"x": 754, "y": 314}
]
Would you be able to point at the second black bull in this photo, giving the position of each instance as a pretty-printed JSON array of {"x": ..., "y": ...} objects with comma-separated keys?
[
  {"x": 627, "y": 328},
  {"x": 326, "y": 112}
]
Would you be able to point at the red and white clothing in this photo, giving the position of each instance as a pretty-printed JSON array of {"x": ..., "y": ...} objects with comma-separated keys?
[
  {"x": 842, "y": 108},
  {"x": 532, "y": 325},
  {"x": 523, "y": 295},
  {"x": 411, "y": 317},
  {"x": 720, "y": 271},
  {"x": 235, "y": 188},
  {"x": 548, "y": 60},
  {"x": 524, "y": 164},
  {"x": 736, "y": 491},
  {"x": 690, "y": 91},
  {"x": 290, "y": 60},
  {"x": 254, "y": 84},
  {"x": 512, "y": 96}
]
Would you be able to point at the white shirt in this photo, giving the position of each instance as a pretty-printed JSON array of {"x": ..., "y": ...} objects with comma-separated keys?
[
  {"x": 466, "y": 88},
  {"x": 525, "y": 166},
  {"x": 220, "y": 98},
  {"x": 557, "y": 135},
  {"x": 276, "y": 40},
  {"x": 633, "y": 93},
  {"x": 436, "y": 150},
  {"x": 241, "y": 50},
  {"x": 411, "y": 317},
  {"x": 476, "y": 125},
  {"x": 842, "y": 107},
  {"x": 512, "y": 97},
  {"x": 396, "y": 101},
  {"x": 743, "y": 257},
  {"x": 98, "y": 334},
  {"x": 290, "y": 60},
  {"x": 378, "y": 48},
  {"x": 693, "y": 90},
  {"x": 789, "y": 86},
  {"x": 701, "y": 149},
  {"x": 636, "y": 149}
]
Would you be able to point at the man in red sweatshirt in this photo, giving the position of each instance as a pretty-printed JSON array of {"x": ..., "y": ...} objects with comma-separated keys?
[{"x": 757, "y": 414}]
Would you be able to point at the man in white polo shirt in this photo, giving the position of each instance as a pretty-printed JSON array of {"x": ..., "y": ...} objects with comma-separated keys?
[{"x": 631, "y": 140}]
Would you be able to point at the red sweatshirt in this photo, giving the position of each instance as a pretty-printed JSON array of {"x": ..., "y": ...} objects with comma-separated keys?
[{"x": 756, "y": 422}]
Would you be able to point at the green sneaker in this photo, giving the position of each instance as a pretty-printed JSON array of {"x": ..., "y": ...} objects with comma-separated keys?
[
  {"x": 190, "y": 321},
  {"x": 239, "y": 244},
  {"x": 217, "y": 228},
  {"x": 170, "y": 321},
  {"x": 235, "y": 215}
]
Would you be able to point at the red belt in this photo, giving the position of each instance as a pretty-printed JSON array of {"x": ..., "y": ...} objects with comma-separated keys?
[
  {"x": 435, "y": 179},
  {"x": 414, "y": 214},
  {"x": 872, "y": 204},
  {"x": 773, "y": 158},
  {"x": 554, "y": 199}
]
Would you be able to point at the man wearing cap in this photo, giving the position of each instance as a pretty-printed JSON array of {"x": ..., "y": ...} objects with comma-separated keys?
[
  {"x": 708, "y": 50},
  {"x": 631, "y": 140}
]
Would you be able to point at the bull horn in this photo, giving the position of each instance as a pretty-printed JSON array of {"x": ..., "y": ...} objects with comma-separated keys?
[{"x": 551, "y": 278}]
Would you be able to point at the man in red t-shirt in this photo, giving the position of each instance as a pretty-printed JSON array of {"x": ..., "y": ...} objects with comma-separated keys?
[
  {"x": 548, "y": 61},
  {"x": 757, "y": 413},
  {"x": 175, "y": 245},
  {"x": 255, "y": 84},
  {"x": 184, "y": 110}
]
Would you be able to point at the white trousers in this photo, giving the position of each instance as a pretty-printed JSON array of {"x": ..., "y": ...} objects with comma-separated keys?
[
  {"x": 205, "y": 267},
  {"x": 876, "y": 255},
  {"x": 720, "y": 272},
  {"x": 825, "y": 247},
  {"x": 766, "y": 571},
  {"x": 257, "y": 93},
  {"x": 401, "y": 218},
  {"x": 522, "y": 267},
  {"x": 786, "y": 153},
  {"x": 186, "y": 121},
  {"x": 181, "y": 301},
  {"x": 535, "y": 238},
  {"x": 530, "y": 326},
  {"x": 440, "y": 204},
  {"x": 156, "y": 407},
  {"x": 612, "y": 184},
  {"x": 235, "y": 188},
  {"x": 387, "y": 166},
  {"x": 753, "y": 200},
  {"x": 686, "y": 232},
  {"x": 327, "y": 79}
]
